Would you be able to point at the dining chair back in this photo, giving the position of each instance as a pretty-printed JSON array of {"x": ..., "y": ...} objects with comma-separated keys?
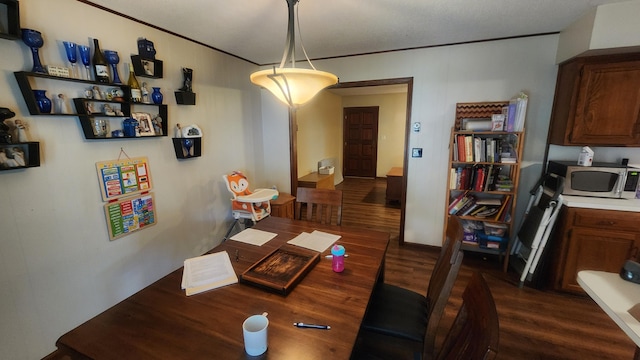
[
  {"x": 321, "y": 205},
  {"x": 473, "y": 335},
  {"x": 405, "y": 314},
  {"x": 476, "y": 330}
]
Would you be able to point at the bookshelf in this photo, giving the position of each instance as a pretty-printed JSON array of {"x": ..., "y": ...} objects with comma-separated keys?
[{"x": 482, "y": 184}]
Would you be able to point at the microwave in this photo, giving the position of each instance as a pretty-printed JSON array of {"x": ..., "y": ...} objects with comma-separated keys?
[{"x": 607, "y": 180}]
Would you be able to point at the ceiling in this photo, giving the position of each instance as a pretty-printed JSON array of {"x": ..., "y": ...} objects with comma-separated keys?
[{"x": 255, "y": 30}]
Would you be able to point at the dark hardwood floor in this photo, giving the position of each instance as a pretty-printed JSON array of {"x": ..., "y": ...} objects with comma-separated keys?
[{"x": 534, "y": 324}]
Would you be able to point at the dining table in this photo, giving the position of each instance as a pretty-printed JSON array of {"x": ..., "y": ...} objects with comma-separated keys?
[
  {"x": 618, "y": 298},
  {"x": 161, "y": 322}
]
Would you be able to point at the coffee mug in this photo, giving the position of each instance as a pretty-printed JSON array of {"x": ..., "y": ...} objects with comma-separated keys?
[{"x": 254, "y": 330}]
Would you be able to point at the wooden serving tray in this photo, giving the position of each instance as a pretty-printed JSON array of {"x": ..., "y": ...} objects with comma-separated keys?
[{"x": 281, "y": 270}]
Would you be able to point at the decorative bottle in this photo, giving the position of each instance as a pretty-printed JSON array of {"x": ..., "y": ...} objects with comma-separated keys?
[
  {"x": 136, "y": 93},
  {"x": 156, "y": 96},
  {"x": 99, "y": 64},
  {"x": 337, "y": 260},
  {"x": 43, "y": 102}
]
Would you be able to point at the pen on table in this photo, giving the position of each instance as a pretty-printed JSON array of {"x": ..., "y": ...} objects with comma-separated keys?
[
  {"x": 312, "y": 326},
  {"x": 331, "y": 256},
  {"x": 237, "y": 256}
]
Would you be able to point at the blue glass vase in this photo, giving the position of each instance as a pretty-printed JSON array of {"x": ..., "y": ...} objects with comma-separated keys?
[
  {"x": 43, "y": 102},
  {"x": 156, "y": 96}
]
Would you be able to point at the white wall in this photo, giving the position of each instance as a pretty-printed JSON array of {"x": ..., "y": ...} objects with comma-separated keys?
[
  {"x": 443, "y": 76},
  {"x": 57, "y": 265},
  {"x": 320, "y": 134},
  {"x": 609, "y": 26}
]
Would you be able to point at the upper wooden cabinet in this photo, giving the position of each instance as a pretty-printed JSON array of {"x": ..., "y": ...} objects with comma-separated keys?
[{"x": 597, "y": 102}]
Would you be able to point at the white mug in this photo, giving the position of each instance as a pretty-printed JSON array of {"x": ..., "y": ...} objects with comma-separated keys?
[{"x": 254, "y": 330}]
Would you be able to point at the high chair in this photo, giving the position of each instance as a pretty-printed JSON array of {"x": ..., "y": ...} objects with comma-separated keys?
[{"x": 247, "y": 204}]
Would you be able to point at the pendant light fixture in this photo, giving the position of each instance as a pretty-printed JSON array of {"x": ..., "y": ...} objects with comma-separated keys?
[{"x": 291, "y": 85}]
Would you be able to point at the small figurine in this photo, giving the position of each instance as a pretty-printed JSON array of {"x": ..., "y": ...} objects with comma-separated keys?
[
  {"x": 177, "y": 132},
  {"x": 89, "y": 107},
  {"x": 21, "y": 131},
  {"x": 5, "y": 113},
  {"x": 107, "y": 110},
  {"x": 59, "y": 104},
  {"x": 188, "y": 79},
  {"x": 145, "y": 93},
  {"x": 118, "y": 112},
  {"x": 157, "y": 125},
  {"x": 96, "y": 93}
]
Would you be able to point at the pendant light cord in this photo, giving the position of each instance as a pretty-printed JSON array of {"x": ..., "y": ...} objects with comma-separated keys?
[{"x": 290, "y": 46}]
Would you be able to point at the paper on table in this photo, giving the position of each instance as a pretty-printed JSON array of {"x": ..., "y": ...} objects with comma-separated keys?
[
  {"x": 207, "y": 272},
  {"x": 317, "y": 240},
  {"x": 253, "y": 236}
]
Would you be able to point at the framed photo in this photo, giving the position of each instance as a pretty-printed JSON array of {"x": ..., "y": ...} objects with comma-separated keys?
[
  {"x": 145, "y": 124},
  {"x": 14, "y": 156},
  {"x": 148, "y": 67}
]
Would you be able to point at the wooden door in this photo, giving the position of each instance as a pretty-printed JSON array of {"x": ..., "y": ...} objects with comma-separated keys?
[{"x": 360, "y": 141}]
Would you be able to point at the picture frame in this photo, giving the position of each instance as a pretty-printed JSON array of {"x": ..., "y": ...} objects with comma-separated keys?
[
  {"x": 13, "y": 156},
  {"x": 148, "y": 67},
  {"x": 145, "y": 124}
]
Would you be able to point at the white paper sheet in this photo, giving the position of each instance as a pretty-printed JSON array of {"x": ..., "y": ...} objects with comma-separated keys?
[
  {"x": 207, "y": 272},
  {"x": 317, "y": 240},
  {"x": 253, "y": 236}
]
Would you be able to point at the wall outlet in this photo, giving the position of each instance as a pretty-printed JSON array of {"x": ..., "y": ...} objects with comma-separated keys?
[{"x": 416, "y": 152}]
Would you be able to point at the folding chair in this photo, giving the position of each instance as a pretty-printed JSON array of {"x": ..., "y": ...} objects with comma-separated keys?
[{"x": 539, "y": 218}]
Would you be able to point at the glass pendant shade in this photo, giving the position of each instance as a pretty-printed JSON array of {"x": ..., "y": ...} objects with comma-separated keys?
[{"x": 293, "y": 86}]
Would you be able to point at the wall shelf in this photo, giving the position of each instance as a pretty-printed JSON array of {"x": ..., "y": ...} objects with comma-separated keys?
[
  {"x": 154, "y": 68},
  {"x": 181, "y": 151},
  {"x": 30, "y": 154},
  {"x": 85, "y": 116},
  {"x": 10, "y": 19}
]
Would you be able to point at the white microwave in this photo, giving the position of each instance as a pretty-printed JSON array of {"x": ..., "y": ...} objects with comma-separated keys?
[{"x": 606, "y": 180}]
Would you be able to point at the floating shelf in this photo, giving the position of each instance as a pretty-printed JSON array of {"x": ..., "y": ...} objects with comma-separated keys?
[
  {"x": 185, "y": 98},
  {"x": 10, "y": 18},
  {"x": 30, "y": 154},
  {"x": 153, "y": 68},
  {"x": 181, "y": 151}
]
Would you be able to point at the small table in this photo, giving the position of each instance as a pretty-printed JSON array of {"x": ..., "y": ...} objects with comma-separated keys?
[
  {"x": 394, "y": 184},
  {"x": 283, "y": 206},
  {"x": 615, "y": 296},
  {"x": 318, "y": 181}
]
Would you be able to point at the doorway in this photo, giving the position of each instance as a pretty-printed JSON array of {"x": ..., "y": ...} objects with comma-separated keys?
[
  {"x": 360, "y": 153},
  {"x": 365, "y": 87}
]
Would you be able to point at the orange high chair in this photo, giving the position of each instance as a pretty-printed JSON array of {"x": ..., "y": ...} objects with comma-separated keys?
[{"x": 247, "y": 204}]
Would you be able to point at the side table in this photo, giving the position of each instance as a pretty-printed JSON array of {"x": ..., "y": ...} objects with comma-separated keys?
[{"x": 283, "y": 206}]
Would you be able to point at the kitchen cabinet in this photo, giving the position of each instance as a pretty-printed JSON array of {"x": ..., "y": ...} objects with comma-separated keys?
[
  {"x": 591, "y": 239},
  {"x": 597, "y": 101}
]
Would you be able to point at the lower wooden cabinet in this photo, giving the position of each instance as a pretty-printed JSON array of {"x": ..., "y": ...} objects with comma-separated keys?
[{"x": 590, "y": 239}]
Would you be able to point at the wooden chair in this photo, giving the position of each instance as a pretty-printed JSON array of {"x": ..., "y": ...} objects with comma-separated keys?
[
  {"x": 474, "y": 334},
  {"x": 319, "y": 202},
  {"x": 405, "y": 314}
]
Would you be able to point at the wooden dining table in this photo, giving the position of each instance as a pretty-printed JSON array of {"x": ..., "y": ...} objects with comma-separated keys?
[{"x": 161, "y": 322}]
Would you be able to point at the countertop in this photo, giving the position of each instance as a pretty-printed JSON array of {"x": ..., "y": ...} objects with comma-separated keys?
[{"x": 601, "y": 203}]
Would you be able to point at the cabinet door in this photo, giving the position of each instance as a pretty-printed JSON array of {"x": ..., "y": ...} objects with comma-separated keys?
[
  {"x": 591, "y": 249},
  {"x": 608, "y": 105}
]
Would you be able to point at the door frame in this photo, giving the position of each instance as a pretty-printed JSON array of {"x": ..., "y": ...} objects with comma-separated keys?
[{"x": 293, "y": 141}]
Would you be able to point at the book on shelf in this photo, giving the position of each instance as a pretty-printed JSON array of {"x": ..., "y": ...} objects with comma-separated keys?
[
  {"x": 521, "y": 111},
  {"x": 511, "y": 116}
]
